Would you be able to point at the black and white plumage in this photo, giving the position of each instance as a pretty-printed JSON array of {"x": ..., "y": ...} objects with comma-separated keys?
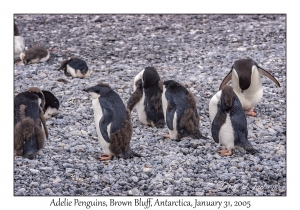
[
  {"x": 30, "y": 128},
  {"x": 179, "y": 107},
  {"x": 36, "y": 54},
  {"x": 51, "y": 104},
  {"x": 228, "y": 122},
  {"x": 112, "y": 121},
  {"x": 19, "y": 43},
  {"x": 146, "y": 98},
  {"x": 75, "y": 67},
  {"x": 245, "y": 76}
]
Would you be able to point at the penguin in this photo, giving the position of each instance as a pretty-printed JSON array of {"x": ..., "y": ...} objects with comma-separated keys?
[
  {"x": 180, "y": 112},
  {"x": 75, "y": 67},
  {"x": 112, "y": 121},
  {"x": 246, "y": 83},
  {"x": 51, "y": 104},
  {"x": 30, "y": 128},
  {"x": 36, "y": 54},
  {"x": 146, "y": 97},
  {"x": 19, "y": 43},
  {"x": 228, "y": 122}
]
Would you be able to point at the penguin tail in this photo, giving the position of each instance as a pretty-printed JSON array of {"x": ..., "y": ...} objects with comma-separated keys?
[
  {"x": 198, "y": 135},
  {"x": 248, "y": 147},
  {"x": 130, "y": 154}
]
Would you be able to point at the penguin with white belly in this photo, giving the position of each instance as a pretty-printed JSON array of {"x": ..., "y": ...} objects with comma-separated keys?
[
  {"x": 30, "y": 128},
  {"x": 36, "y": 54},
  {"x": 51, "y": 104},
  {"x": 112, "y": 121},
  {"x": 246, "y": 83},
  {"x": 180, "y": 112},
  {"x": 146, "y": 98},
  {"x": 75, "y": 67},
  {"x": 228, "y": 122}
]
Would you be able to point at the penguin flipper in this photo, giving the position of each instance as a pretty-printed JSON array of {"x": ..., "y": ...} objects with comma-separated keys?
[
  {"x": 267, "y": 74},
  {"x": 171, "y": 108},
  {"x": 226, "y": 80},
  {"x": 136, "y": 96},
  {"x": 215, "y": 131},
  {"x": 217, "y": 123},
  {"x": 105, "y": 120}
]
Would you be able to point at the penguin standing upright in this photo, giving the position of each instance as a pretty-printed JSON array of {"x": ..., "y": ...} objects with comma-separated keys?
[
  {"x": 146, "y": 98},
  {"x": 180, "y": 112},
  {"x": 29, "y": 123},
  {"x": 19, "y": 43},
  {"x": 228, "y": 122},
  {"x": 75, "y": 67},
  {"x": 51, "y": 104},
  {"x": 246, "y": 83},
  {"x": 36, "y": 54},
  {"x": 112, "y": 121}
]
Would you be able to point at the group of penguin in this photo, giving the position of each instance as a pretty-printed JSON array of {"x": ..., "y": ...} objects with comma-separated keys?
[{"x": 158, "y": 103}]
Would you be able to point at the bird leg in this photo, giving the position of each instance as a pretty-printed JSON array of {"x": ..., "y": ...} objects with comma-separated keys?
[
  {"x": 225, "y": 152},
  {"x": 105, "y": 157},
  {"x": 166, "y": 136},
  {"x": 251, "y": 112}
]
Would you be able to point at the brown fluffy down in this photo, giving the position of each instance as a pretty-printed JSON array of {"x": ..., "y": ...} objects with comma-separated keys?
[
  {"x": 190, "y": 119},
  {"x": 34, "y": 90},
  {"x": 24, "y": 130},
  {"x": 120, "y": 140},
  {"x": 135, "y": 97},
  {"x": 43, "y": 120}
]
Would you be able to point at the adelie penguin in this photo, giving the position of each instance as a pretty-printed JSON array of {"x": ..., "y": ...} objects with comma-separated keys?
[
  {"x": 146, "y": 98},
  {"x": 36, "y": 54},
  {"x": 246, "y": 83},
  {"x": 180, "y": 112},
  {"x": 75, "y": 67},
  {"x": 228, "y": 122},
  {"x": 19, "y": 43},
  {"x": 51, "y": 104},
  {"x": 112, "y": 121},
  {"x": 30, "y": 128}
]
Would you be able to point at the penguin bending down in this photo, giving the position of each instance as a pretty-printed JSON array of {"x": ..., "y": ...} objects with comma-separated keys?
[
  {"x": 36, "y": 54},
  {"x": 146, "y": 98},
  {"x": 51, "y": 104},
  {"x": 180, "y": 112},
  {"x": 228, "y": 122},
  {"x": 113, "y": 122},
  {"x": 75, "y": 67},
  {"x": 246, "y": 83},
  {"x": 29, "y": 123},
  {"x": 19, "y": 43}
]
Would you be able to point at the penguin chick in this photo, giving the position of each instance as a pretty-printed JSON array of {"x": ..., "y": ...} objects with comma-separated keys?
[
  {"x": 180, "y": 112},
  {"x": 113, "y": 122},
  {"x": 75, "y": 67},
  {"x": 246, "y": 83},
  {"x": 30, "y": 128},
  {"x": 228, "y": 122},
  {"x": 147, "y": 98},
  {"x": 36, "y": 54},
  {"x": 19, "y": 43},
  {"x": 51, "y": 104}
]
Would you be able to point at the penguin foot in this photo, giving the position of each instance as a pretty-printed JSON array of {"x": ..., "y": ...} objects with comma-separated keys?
[
  {"x": 166, "y": 136},
  {"x": 251, "y": 112},
  {"x": 225, "y": 152},
  {"x": 105, "y": 157}
]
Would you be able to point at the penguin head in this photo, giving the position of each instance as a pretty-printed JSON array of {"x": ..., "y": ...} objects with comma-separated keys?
[
  {"x": 40, "y": 94},
  {"x": 227, "y": 98},
  {"x": 150, "y": 77},
  {"x": 243, "y": 68},
  {"x": 98, "y": 90},
  {"x": 171, "y": 83}
]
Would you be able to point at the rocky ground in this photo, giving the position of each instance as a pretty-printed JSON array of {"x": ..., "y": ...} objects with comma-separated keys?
[{"x": 195, "y": 50}]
